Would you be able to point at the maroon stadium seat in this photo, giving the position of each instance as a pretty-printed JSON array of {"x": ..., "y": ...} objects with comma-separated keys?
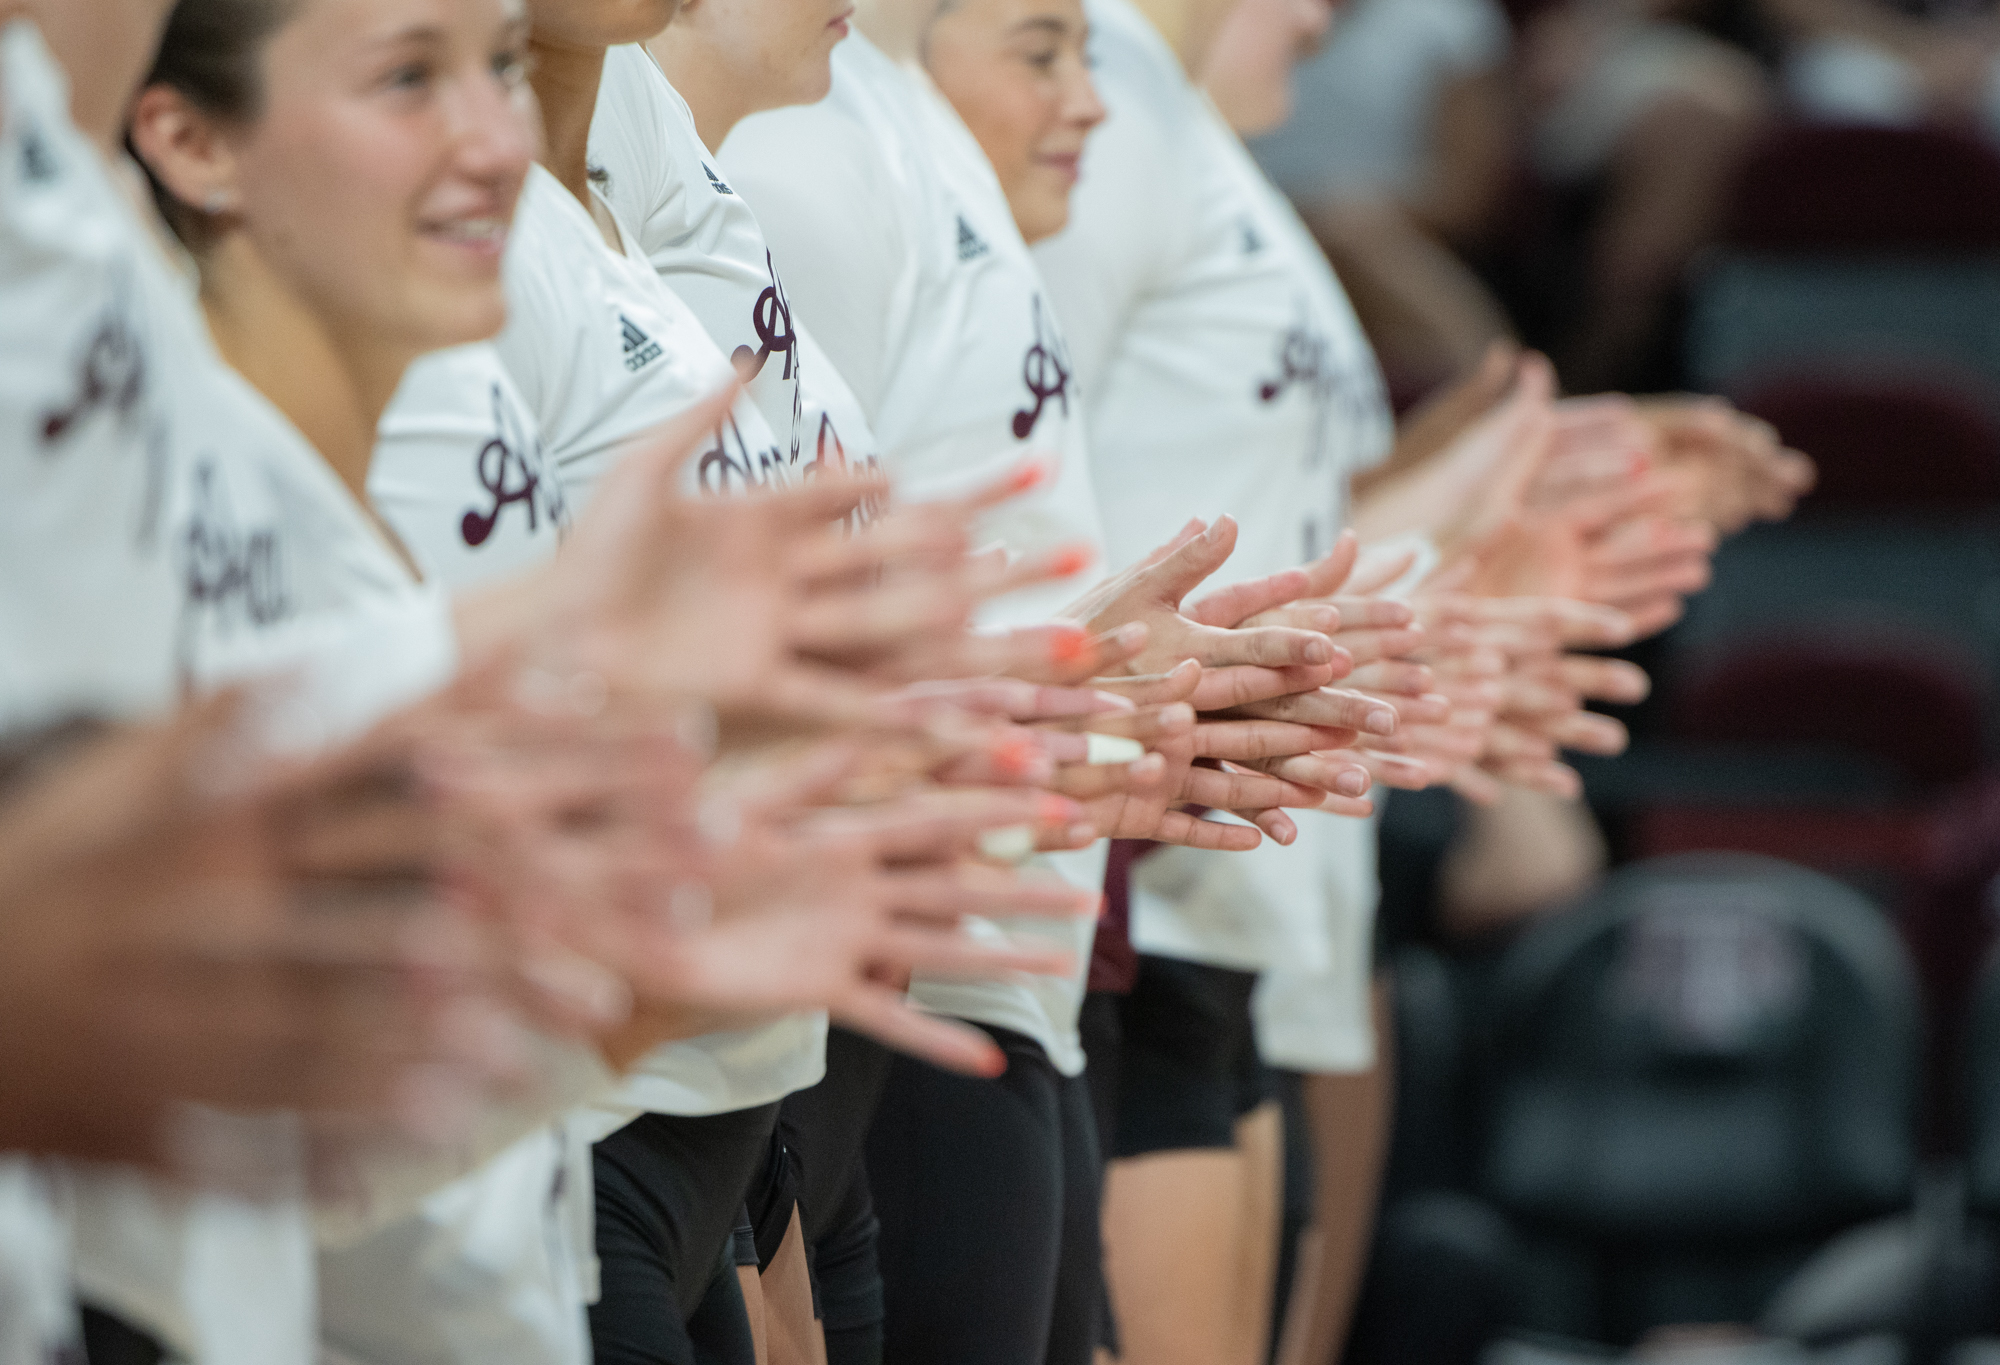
[
  {"x": 1884, "y": 441},
  {"x": 1855, "y": 189}
]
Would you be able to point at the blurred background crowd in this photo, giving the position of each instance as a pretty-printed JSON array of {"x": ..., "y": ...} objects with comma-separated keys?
[{"x": 1652, "y": 1093}]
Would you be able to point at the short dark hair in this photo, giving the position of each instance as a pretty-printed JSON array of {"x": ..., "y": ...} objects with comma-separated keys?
[{"x": 212, "y": 53}]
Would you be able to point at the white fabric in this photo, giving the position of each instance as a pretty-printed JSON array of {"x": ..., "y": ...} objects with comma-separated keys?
[
  {"x": 1224, "y": 371},
  {"x": 489, "y": 1269},
  {"x": 695, "y": 230},
  {"x": 604, "y": 353},
  {"x": 1364, "y": 107},
  {"x": 461, "y": 474},
  {"x": 173, "y": 527},
  {"x": 82, "y": 422},
  {"x": 1322, "y": 1020},
  {"x": 894, "y": 237},
  {"x": 38, "y": 1320},
  {"x": 708, "y": 246},
  {"x": 574, "y": 306}
]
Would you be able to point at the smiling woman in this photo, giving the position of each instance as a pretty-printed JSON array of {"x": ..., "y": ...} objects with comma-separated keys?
[
  {"x": 1017, "y": 73},
  {"x": 345, "y": 172}
]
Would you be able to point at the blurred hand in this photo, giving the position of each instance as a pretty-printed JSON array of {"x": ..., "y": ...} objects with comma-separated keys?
[{"x": 159, "y": 958}]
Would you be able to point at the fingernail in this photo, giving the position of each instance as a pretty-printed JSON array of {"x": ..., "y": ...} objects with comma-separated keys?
[
  {"x": 1011, "y": 844},
  {"x": 1131, "y": 635},
  {"x": 1015, "y": 754},
  {"x": 1102, "y": 749},
  {"x": 1351, "y": 784},
  {"x": 1027, "y": 476},
  {"x": 1068, "y": 645},
  {"x": 1056, "y": 810},
  {"x": 1072, "y": 560},
  {"x": 1319, "y": 651},
  {"x": 1382, "y": 722},
  {"x": 1082, "y": 834}
]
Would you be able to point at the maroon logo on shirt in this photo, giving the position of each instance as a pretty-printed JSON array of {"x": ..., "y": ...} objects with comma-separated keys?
[
  {"x": 730, "y": 461},
  {"x": 228, "y": 572},
  {"x": 111, "y": 375},
  {"x": 831, "y": 453},
  {"x": 1045, "y": 370},
  {"x": 1302, "y": 359},
  {"x": 772, "y": 317},
  {"x": 509, "y": 468}
]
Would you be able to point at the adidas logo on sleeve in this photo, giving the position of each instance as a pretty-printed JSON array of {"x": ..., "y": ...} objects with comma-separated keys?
[
  {"x": 971, "y": 246},
  {"x": 640, "y": 349},
  {"x": 715, "y": 182}
]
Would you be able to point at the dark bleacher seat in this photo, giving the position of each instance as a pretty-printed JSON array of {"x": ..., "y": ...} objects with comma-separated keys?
[
  {"x": 1885, "y": 441},
  {"x": 1854, "y": 242},
  {"x": 1698, "y": 1076}
]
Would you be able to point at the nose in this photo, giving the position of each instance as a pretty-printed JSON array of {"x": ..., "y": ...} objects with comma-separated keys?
[
  {"x": 1081, "y": 106},
  {"x": 495, "y": 131}
]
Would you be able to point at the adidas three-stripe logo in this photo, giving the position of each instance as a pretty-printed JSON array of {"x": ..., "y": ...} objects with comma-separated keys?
[
  {"x": 640, "y": 349},
  {"x": 970, "y": 245}
]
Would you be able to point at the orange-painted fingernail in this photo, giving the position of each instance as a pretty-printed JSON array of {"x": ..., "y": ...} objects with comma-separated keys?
[
  {"x": 1067, "y": 645},
  {"x": 1029, "y": 475},
  {"x": 1015, "y": 754},
  {"x": 1073, "y": 559},
  {"x": 1057, "y": 810}
]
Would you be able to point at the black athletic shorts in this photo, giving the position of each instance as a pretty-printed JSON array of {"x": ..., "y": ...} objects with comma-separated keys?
[
  {"x": 823, "y": 1130},
  {"x": 670, "y": 1196},
  {"x": 988, "y": 1197},
  {"x": 1187, "y": 1064}
]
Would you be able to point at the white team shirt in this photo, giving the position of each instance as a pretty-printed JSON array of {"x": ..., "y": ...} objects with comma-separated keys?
[
  {"x": 895, "y": 239},
  {"x": 1224, "y": 371},
  {"x": 83, "y": 444},
  {"x": 603, "y": 353},
  {"x": 709, "y": 248},
  {"x": 172, "y": 528},
  {"x": 461, "y": 472}
]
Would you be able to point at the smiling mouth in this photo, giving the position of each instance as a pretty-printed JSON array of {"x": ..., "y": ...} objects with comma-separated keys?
[{"x": 486, "y": 234}]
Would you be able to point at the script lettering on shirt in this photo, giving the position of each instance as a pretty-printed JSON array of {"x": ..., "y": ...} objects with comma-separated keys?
[
  {"x": 229, "y": 575},
  {"x": 509, "y": 467},
  {"x": 1045, "y": 370},
  {"x": 772, "y": 318},
  {"x": 830, "y": 452},
  {"x": 730, "y": 462},
  {"x": 111, "y": 373}
]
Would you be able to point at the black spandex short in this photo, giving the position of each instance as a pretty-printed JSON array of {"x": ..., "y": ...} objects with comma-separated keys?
[
  {"x": 1187, "y": 1058},
  {"x": 670, "y": 1195},
  {"x": 823, "y": 1130},
  {"x": 987, "y": 1192}
]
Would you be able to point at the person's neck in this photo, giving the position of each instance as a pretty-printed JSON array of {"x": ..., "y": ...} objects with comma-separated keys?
[
  {"x": 718, "y": 100},
  {"x": 333, "y": 389},
  {"x": 103, "y": 76},
  {"x": 566, "y": 80},
  {"x": 1189, "y": 28},
  {"x": 896, "y": 26}
]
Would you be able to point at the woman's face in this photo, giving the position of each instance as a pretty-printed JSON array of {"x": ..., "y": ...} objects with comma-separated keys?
[
  {"x": 380, "y": 177},
  {"x": 1017, "y": 73},
  {"x": 1248, "y": 69},
  {"x": 779, "y": 52}
]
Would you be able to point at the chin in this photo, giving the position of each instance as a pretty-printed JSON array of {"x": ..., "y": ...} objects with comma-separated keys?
[
  {"x": 464, "y": 319},
  {"x": 1043, "y": 222}
]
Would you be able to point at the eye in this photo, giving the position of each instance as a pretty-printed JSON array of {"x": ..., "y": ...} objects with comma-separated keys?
[
  {"x": 409, "y": 76},
  {"x": 512, "y": 66},
  {"x": 1043, "y": 61}
]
